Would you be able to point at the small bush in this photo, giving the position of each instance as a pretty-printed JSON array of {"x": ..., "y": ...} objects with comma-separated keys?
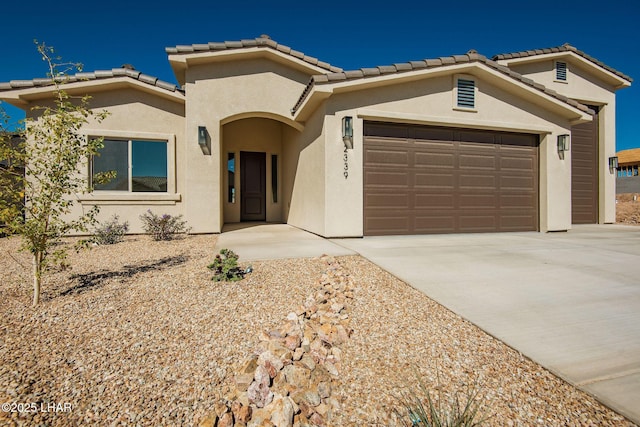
[
  {"x": 110, "y": 231},
  {"x": 163, "y": 227},
  {"x": 438, "y": 411},
  {"x": 225, "y": 267}
]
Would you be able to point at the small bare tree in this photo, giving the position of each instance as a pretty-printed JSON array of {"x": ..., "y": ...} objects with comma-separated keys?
[{"x": 36, "y": 204}]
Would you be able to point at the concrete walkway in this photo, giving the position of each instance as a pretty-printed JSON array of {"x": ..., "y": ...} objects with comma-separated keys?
[
  {"x": 569, "y": 301},
  {"x": 259, "y": 241}
]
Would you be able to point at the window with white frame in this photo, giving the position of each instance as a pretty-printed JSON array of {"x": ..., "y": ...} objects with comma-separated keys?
[{"x": 139, "y": 165}]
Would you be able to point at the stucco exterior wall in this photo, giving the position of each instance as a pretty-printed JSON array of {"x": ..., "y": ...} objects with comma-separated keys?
[
  {"x": 217, "y": 94},
  {"x": 307, "y": 207},
  {"x": 137, "y": 115},
  {"x": 584, "y": 87},
  {"x": 431, "y": 102}
]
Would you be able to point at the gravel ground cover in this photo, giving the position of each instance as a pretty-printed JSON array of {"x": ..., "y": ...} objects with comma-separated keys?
[
  {"x": 628, "y": 209},
  {"x": 137, "y": 334}
]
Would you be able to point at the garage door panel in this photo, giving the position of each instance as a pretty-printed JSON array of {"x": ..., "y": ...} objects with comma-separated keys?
[
  {"x": 397, "y": 158},
  {"x": 516, "y": 163},
  {"x": 584, "y": 172},
  {"x": 470, "y": 185},
  {"x": 384, "y": 130},
  {"x": 402, "y": 201},
  {"x": 428, "y": 181},
  {"x": 477, "y": 201},
  {"x": 477, "y": 181},
  {"x": 386, "y": 179},
  {"x": 387, "y": 224},
  {"x": 517, "y": 182},
  {"x": 435, "y": 223},
  {"x": 478, "y": 222},
  {"x": 429, "y": 134},
  {"x": 518, "y": 201},
  {"x": 517, "y": 222},
  {"x": 434, "y": 160},
  {"x": 434, "y": 201},
  {"x": 477, "y": 161},
  {"x": 478, "y": 136}
]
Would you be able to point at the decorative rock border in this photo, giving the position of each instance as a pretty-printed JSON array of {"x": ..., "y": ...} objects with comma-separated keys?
[{"x": 288, "y": 381}]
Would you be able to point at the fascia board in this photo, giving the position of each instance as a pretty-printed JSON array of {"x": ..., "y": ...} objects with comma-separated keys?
[{"x": 22, "y": 97}]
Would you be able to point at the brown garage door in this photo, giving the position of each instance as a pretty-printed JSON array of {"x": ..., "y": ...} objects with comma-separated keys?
[
  {"x": 584, "y": 172},
  {"x": 420, "y": 180}
]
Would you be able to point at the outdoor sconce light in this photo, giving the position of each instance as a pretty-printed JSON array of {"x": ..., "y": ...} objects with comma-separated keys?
[
  {"x": 613, "y": 164},
  {"x": 563, "y": 143},
  {"x": 347, "y": 131},
  {"x": 203, "y": 141}
]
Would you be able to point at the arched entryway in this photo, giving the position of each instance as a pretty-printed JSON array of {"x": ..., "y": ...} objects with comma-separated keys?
[{"x": 259, "y": 160}]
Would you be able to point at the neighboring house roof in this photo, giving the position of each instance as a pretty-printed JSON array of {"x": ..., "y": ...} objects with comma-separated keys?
[
  {"x": 263, "y": 41},
  {"x": 564, "y": 48},
  {"x": 631, "y": 156},
  {"x": 124, "y": 71},
  {"x": 470, "y": 57}
]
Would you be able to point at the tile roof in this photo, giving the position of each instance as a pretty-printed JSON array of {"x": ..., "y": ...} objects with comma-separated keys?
[
  {"x": 263, "y": 41},
  {"x": 629, "y": 156},
  {"x": 124, "y": 71},
  {"x": 564, "y": 48},
  {"x": 470, "y": 57}
]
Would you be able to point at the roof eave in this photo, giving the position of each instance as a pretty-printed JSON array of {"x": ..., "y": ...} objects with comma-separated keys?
[
  {"x": 607, "y": 76},
  {"x": 321, "y": 91},
  {"x": 181, "y": 61},
  {"x": 23, "y": 97}
]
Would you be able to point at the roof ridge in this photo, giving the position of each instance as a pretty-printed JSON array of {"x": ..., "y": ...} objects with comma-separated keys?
[
  {"x": 93, "y": 75},
  {"x": 566, "y": 47},
  {"x": 470, "y": 56},
  {"x": 263, "y": 41}
]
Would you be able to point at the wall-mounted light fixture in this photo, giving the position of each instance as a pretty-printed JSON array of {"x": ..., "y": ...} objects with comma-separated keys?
[
  {"x": 203, "y": 141},
  {"x": 563, "y": 143},
  {"x": 613, "y": 164},
  {"x": 347, "y": 131}
]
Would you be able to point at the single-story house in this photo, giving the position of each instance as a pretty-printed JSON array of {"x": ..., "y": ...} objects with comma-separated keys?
[{"x": 257, "y": 131}]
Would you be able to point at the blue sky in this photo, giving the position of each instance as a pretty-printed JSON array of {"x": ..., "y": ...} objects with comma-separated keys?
[{"x": 105, "y": 35}]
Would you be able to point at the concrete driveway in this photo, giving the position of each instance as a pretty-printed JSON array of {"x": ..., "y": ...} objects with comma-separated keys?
[{"x": 569, "y": 301}]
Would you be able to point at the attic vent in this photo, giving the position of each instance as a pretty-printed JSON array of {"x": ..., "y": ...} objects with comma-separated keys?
[
  {"x": 466, "y": 93},
  {"x": 561, "y": 71}
]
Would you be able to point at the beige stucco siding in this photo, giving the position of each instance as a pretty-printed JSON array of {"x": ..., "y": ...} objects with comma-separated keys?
[
  {"x": 431, "y": 102},
  {"x": 307, "y": 206},
  {"x": 219, "y": 94},
  {"x": 582, "y": 86}
]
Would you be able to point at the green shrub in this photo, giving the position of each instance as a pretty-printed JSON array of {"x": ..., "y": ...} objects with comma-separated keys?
[
  {"x": 163, "y": 227},
  {"x": 225, "y": 267},
  {"x": 110, "y": 231},
  {"x": 428, "y": 410}
]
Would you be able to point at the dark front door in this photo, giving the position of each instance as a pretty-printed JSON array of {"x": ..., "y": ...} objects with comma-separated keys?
[{"x": 253, "y": 188}]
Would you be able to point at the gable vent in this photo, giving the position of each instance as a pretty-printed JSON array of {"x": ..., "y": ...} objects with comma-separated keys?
[
  {"x": 561, "y": 71},
  {"x": 466, "y": 93}
]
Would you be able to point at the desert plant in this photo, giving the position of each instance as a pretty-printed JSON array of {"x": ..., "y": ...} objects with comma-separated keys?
[
  {"x": 110, "y": 232},
  {"x": 428, "y": 410},
  {"x": 40, "y": 179},
  {"x": 225, "y": 267},
  {"x": 163, "y": 227}
]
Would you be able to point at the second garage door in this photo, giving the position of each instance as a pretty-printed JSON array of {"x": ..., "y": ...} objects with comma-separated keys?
[{"x": 420, "y": 180}]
